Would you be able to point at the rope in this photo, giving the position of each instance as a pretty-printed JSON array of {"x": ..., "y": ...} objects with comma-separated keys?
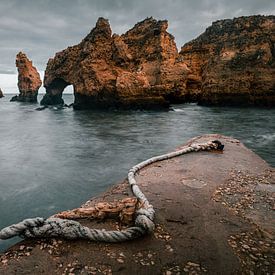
[{"x": 69, "y": 229}]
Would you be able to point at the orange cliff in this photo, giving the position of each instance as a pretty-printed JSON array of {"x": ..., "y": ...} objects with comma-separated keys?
[
  {"x": 139, "y": 69},
  {"x": 233, "y": 62},
  {"x": 29, "y": 80}
]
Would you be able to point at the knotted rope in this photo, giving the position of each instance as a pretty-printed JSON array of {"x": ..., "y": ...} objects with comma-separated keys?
[{"x": 69, "y": 229}]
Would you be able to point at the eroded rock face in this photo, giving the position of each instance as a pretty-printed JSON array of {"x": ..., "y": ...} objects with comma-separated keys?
[
  {"x": 233, "y": 62},
  {"x": 29, "y": 80},
  {"x": 1, "y": 94},
  {"x": 139, "y": 69}
]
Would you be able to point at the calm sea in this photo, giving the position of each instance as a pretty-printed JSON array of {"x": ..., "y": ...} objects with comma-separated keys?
[{"x": 54, "y": 159}]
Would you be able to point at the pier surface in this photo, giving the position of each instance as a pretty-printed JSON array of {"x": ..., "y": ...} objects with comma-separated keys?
[{"x": 214, "y": 215}]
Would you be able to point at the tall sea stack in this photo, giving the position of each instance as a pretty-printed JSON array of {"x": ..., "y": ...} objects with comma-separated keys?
[{"x": 29, "y": 80}]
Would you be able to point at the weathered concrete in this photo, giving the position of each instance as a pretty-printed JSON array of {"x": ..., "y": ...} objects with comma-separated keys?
[{"x": 214, "y": 215}]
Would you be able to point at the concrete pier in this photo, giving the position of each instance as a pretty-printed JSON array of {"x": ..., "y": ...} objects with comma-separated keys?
[{"x": 214, "y": 215}]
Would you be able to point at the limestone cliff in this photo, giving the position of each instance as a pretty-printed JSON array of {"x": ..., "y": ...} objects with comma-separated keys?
[
  {"x": 29, "y": 80},
  {"x": 139, "y": 69},
  {"x": 233, "y": 62}
]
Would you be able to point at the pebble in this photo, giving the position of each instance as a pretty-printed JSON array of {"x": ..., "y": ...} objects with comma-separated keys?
[
  {"x": 142, "y": 262},
  {"x": 169, "y": 248},
  {"x": 121, "y": 261},
  {"x": 193, "y": 264},
  {"x": 253, "y": 257},
  {"x": 4, "y": 261}
]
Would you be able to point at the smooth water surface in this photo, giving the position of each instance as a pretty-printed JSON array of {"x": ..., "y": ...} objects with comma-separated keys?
[{"x": 54, "y": 160}]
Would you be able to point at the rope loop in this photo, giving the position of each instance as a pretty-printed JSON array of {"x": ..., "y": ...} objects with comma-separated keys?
[{"x": 144, "y": 222}]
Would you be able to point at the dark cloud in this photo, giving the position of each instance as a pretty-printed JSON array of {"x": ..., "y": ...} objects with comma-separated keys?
[{"x": 42, "y": 27}]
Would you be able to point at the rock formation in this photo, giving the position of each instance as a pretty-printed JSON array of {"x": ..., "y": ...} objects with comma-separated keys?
[
  {"x": 139, "y": 69},
  {"x": 1, "y": 94},
  {"x": 28, "y": 79},
  {"x": 233, "y": 62}
]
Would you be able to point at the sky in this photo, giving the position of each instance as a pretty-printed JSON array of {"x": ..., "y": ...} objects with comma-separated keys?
[{"x": 40, "y": 28}]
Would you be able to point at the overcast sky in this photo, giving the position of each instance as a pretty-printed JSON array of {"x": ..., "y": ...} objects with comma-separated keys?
[{"x": 40, "y": 28}]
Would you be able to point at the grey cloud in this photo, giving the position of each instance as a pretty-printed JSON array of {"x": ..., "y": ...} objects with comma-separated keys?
[{"x": 43, "y": 27}]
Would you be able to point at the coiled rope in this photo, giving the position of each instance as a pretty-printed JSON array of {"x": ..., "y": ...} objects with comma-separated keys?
[{"x": 69, "y": 229}]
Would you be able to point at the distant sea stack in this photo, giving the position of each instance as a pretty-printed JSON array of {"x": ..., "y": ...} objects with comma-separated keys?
[
  {"x": 233, "y": 62},
  {"x": 140, "y": 69},
  {"x": 1, "y": 93},
  {"x": 29, "y": 80}
]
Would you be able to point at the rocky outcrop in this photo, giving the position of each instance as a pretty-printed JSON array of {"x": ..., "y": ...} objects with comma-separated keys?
[
  {"x": 1, "y": 94},
  {"x": 139, "y": 69},
  {"x": 29, "y": 80},
  {"x": 233, "y": 62}
]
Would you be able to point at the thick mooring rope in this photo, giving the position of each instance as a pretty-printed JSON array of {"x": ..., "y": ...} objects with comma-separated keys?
[{"x": 69, "y": 229}]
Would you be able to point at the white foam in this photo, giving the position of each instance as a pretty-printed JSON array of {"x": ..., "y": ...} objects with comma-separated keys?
[{"x": 177, "y": 110}]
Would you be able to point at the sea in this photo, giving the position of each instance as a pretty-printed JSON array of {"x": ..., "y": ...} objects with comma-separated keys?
[{"x": 57, "y": 159}]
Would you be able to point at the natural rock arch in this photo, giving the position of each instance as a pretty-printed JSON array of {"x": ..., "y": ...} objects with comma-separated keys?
[
  {"x": 54, "y": 92},
  {"x": 135, "y": 70}
]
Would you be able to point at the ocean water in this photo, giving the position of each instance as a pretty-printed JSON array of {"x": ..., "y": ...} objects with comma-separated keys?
[{"x": 54, "y": 159}]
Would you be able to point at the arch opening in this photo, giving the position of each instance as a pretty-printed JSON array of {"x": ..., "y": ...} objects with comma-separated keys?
[{"x": 55, "y": 90}]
